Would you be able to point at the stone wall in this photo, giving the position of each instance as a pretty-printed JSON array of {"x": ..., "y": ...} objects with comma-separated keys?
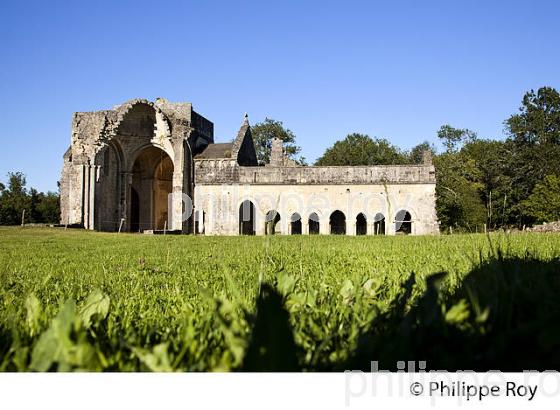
[
  {"x": 98, "y": 167},
  {"x": 221, "y": 205},
  {"x": 222, "y": 171}
]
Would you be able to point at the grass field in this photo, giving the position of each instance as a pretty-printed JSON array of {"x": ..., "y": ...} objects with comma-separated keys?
[{"x": 76, "y": 300}]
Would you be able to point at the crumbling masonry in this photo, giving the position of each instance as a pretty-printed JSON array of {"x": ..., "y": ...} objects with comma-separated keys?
[{"x": 138, "y": 166}]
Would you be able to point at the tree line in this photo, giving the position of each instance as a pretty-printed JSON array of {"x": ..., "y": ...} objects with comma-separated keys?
[
  {"x": 514, "y": 182},
  {"x": 17, "y": 203}
]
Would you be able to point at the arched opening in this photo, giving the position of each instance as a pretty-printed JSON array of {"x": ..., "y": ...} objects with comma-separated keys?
[
  {"x": 403, "y": 223},
  {"x": 338, "y": 223},
  {"x": 108, "y": 186},
  {"x": 134, "y": 210},
  {"x": 361, "y": 224},
  {"x": 271, "y": 221},
  {"x": 247, "y": 218},
  {"x": 152, "y": 182},
  {"x": 313, "y": 224},
  {"x": 295, "y": 224},
  {"x": 379, "y": 224}
]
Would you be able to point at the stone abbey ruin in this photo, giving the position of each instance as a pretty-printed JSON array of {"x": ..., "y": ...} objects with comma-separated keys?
[{"x": 154, "y": 166}]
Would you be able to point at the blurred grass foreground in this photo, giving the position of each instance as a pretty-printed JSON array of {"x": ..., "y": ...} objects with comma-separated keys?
[{"x": 85, "y": 301}]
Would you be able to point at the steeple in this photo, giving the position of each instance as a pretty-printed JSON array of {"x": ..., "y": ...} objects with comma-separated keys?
[{"x": 243, "y": 148}]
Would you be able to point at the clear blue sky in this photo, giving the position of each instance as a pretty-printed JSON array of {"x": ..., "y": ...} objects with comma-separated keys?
[{"x": 394, "y": 69}]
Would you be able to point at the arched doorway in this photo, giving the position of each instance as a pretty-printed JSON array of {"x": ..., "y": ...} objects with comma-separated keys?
[
  {"x": 247, "y": 218},
  {"x": 313, "y": 224},
  {"x": 295, "y": 225},
  {"x": 152, "y": 182},
  {"x": 403, "y": 223},
  {"x": 271, "y": 221},
  {"x": 361, "y": 224},
  {"x": 379, "y": 224},
  {"x": 338, "y": 223}
]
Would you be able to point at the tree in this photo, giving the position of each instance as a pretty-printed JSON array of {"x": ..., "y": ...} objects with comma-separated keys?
[
  {"x": 539, "y": 119},
  {"x": 34, "y": 200},
  {"x": 416, "y": 154},
  {"x": 264, "y": 132},
  {"x": 544, "y": 202},
  {"x": 534, "y": 146},
  {"x": 49, "y": 207},
  {"x": 39, "y": 207},
  {"x": 14, "y": 199},
  {"x": 452, "y": 138},
  {"x": 491, "y": 159},
  {"x": 458, "y": 192},
  {"x": 360, "y": 149}
]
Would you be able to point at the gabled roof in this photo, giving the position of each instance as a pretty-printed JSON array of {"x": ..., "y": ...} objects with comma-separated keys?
[{"x": 216, "y": 151}]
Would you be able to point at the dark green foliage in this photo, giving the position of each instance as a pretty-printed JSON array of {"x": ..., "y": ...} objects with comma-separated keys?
[
  {"x": 39, "y": 207},
  {"x": 264, "y": 132},
  {"x": 538, "y": 122},
  {"x": 534, "y": 147},
  {"x": 13, "y": 200},
  {"x": 416, "y": 154},
  {"x": 452, "y": 138},
  {"x": 544, "y": 202},
  {"x": 360, "y": 149},
  {"x": 459, "y": 201}
]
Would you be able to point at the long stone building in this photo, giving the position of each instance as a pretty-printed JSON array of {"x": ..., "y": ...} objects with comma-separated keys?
[{"x": 154, "y": 166}]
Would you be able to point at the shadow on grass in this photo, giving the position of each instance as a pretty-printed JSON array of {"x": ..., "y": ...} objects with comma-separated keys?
[{"x": 504, "y": 316}]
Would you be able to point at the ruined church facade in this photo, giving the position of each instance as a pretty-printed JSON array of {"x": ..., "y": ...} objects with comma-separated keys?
[{"x": 154, "y": 166}]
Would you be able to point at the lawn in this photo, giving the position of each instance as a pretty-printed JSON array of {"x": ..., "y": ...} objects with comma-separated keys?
[{"x": 77, "y": 300}]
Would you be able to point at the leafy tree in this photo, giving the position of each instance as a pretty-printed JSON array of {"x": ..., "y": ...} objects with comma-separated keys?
[
  {"x": 544, "y": 202},
  {"x": 452, "y": 138},
  {"x": 416, "y": 154},
  {"x": 360, "y": 149},
  {"x": 539, "y": 119},
  {"x": 458, "y": 193},
  {"x": 491, "y": 160},
  {"x": 14, "y": 199},
  {"x": 49, "y": 207},
  {"x": 39, "y": 207},
  {"x": 264, "y": 132},
  {"x": 534, "y": 146},
  {"x": 34, "y": 200}
]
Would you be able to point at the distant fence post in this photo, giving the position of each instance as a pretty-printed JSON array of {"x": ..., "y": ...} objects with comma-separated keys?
[{"x": 23, "y": 218}]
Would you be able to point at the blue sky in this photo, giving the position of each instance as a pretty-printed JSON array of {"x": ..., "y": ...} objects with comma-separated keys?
[{"x": 393, "y": 69}]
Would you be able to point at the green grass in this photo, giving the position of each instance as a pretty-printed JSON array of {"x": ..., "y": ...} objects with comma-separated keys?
[{"x": 76, "y": 300}]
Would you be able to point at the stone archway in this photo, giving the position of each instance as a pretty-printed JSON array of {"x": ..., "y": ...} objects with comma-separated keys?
[
  {"x": 379, "y": 224},
  {"x": 313, "y": 224},
  {"x": 295, "y": 224},
  {"x": 403, "y": 223},
  {"x": 247, "y": 218},
  {"x": 361, "y": 224},
  {"x": 152, "y": 182},
  {"x": 338, "y": 223}
]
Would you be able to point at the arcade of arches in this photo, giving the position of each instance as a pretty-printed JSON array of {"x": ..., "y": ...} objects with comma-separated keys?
[{"x": 337, "y": 223}]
